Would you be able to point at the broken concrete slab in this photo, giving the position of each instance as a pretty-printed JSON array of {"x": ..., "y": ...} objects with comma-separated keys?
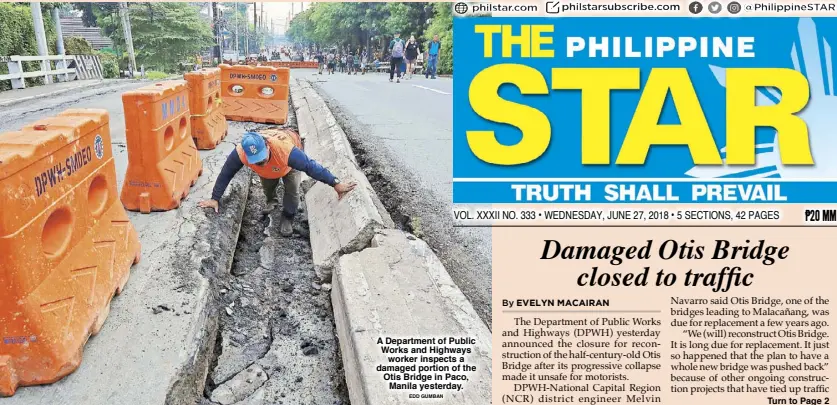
[
  {"x": 331, "y": 143},
  {"x": 266, "y": 255},
  {"x": 325, "y": 140},
  {"x": 342, "y": 226},
  {"x": 336, "y": 227},
  {"x": 399, "y": 288},
  {"x": 141, "y": 358},
  {"x": 305, "y": 123},
  {"x": 240, "y": 387},
  {"x": 236, "y": 355},
  {"x": 258, "y": 398}
]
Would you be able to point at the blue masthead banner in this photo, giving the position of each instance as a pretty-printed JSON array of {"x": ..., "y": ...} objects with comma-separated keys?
[{"x": 667, "y": 110}]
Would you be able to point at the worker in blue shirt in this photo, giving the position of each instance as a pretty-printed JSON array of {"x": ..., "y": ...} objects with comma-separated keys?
[{"x": 275, "y": 158}]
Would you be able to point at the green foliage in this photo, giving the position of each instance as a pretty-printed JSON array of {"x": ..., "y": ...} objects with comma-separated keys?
[
  {"x": 91, "y": 11},
  {"x": 155, "y": 75},
  {"x": 407, "y": 19},
  {"x": 164, "y": 33},
  {"x": 236, "y": 20},
  {"x": 110, "y": 64},
  {"x": 17, "y": 37},
  {"x": 77, "y": 46},
  {"x": 110, "y": 69},
  {"x": 354, "y": 25},
  {"x": 442, "y": 25}
]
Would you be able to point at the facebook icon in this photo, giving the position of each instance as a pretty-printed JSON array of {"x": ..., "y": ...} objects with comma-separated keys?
[{"x": 695, "y": 7}]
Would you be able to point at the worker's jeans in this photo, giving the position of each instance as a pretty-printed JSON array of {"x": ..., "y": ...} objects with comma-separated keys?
[
  {"x": 431, "y": 65},
  {"x": 290, "y": 201}
]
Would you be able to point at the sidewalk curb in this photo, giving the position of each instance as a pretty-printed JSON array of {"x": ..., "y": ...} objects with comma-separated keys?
[
  {"x": 393, "y": 285},
  {"x": 341, "y": 226},
  {"x": 99, "y": 84}
]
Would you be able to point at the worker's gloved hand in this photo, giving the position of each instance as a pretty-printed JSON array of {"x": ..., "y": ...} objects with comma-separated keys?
[
  {"x": 343, "y": 188},
  {"x": 209, "y": 204}
]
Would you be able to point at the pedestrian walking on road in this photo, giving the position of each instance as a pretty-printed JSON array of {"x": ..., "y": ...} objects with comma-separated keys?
[
  {"x": 356, "y": 60},
  {"x": 396, "y": 49},
  {"x": 350, "y": 63},
  {"x": 411, "y": 52},
  {"x": 331, "y": 63},
  {"x": 320, "y": 62},
  {"x": 433, "y": 49},
  {"x": 275, "y": 156}
]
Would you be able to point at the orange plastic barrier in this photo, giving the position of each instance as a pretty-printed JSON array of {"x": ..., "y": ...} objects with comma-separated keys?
[
  {"x": 255, "y": 93},
  {"x": 163, "y": 161},
  {"x": 294, "y": 64},
  {"x": 66, "y": 244},
  {"x": 209, "y": 126}
]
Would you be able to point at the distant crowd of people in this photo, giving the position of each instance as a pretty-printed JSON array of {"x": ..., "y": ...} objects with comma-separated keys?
[{"x": 403, "y": 56}]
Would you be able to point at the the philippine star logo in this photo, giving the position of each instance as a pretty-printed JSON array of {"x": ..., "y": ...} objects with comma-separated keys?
[
  {"x": 99, "y": 146},
  {"x": 811, "y": 55}
]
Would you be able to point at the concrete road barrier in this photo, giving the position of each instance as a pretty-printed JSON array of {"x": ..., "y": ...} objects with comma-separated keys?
[
  {"x": 337, "y": 227},
  {"x": 343, "y": 226},
  {"x": 327, "y": 142},
  {"x": 399, "y": 288},
  {"x": 304, "y": 120},
  {"x": 386, "y": 283}
]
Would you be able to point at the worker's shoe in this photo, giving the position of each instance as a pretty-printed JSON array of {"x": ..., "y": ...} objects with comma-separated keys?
[
  {"x": 271, "y": 206},
  {"x": 286, "y": 226}
]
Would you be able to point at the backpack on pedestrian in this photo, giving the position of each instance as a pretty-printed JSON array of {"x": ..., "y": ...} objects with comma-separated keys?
[{"x": 398, "y": 49}]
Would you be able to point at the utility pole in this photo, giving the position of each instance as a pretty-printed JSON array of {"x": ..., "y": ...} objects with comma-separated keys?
[
  {"x": 129, "y": 39},
  {"x": 236, "y": 30},
  {"x": 246, "y": 34},
  {"x": 59, "y": 42},
  {"x": 40, "y": 36},
  {"x": 255, "y": 25},
  {"x": 216, "y": 50}
]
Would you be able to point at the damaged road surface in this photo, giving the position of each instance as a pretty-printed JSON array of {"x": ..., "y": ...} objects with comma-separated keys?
[{"x": 276, "y": 342}]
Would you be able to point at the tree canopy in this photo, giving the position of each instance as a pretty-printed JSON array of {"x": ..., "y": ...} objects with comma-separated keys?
[
  {"x": 17, "y": 36},
  {"x": 164, "y": 33},
  {"x": 372, "y": 25},
  {"x": 235, "y": 21}
]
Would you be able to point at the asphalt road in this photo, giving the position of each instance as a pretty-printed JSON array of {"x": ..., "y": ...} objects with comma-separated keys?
[{"x": 405, "y": 130}]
